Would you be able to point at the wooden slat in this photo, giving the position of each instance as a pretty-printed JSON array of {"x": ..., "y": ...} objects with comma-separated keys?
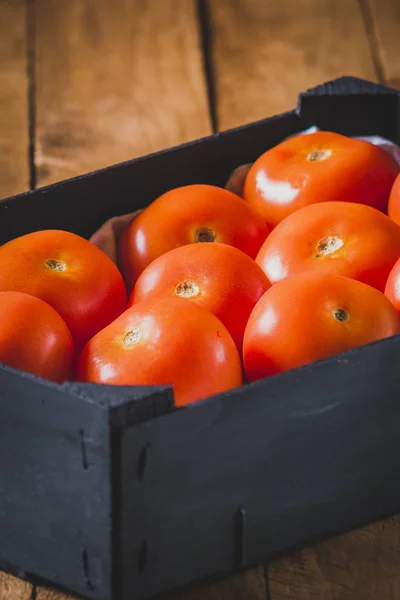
[
  {"x": 14, "y": 127},
  {"x": 386, "y": 26},
  {"x": 361, "y": 565},
  {"x": 115, "y": 80},
  {"x": 266, "y": 52},
  {"x": 12, "y": 588}
]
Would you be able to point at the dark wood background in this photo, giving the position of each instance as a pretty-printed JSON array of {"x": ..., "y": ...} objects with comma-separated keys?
[{"x": 87, "y": 83}]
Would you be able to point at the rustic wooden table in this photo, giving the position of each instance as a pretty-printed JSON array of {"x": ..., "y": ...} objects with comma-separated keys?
[{"x": 87, "y": 83}]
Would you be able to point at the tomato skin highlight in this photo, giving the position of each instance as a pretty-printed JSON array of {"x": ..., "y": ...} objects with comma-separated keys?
[
  {"x": 77, "y": 279},
  {"x": 392, "y": 288},
  {"x": 166, "y": 341},
  {"x": 340, "y": 238},
  {"x": 319, "y": 167},
  {"x": 34, "y": 338},
  {"x": 221, "y": 278},
  {"x": 394, "y": 202},
  {"x": 186, "y": 215},
  {"x": 310, "y": 317}
]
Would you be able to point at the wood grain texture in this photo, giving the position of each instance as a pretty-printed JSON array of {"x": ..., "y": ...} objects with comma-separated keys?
[
  {"x": 265, "y": 53},
  {"x": 386, "y": 27},
  {"x": 360, "y": 565},
  {"x": 14, "y": 128},
  {"x": 50, "y": 594},
  {"x": 115, "y": 80},
  {"x": 12, "y": 588}
]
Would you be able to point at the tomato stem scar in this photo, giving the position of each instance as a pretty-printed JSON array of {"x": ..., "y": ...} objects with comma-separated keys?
[
  {"x": 56, "y": 265},
  {"x": 132, "y": 337},
  {"x": 318, "y": 155},
  {"x": 187, "y": 289},
  {"x": 204, "y": 235},
  {"x": 340, "y": 315},
  {"x": 328, "y": 245}
]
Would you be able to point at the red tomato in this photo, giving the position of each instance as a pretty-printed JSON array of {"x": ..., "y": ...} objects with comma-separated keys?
[
  {"x": 166, "y": 341},
  {"x": 394, "y": 202},
  {"x": 319, "y": 167},
  {"x": 341, "y": 238},
  {"x": 185, "y": 215},
  {"x": 218, "y": 277},
  {"x": 69, "y": 273},
  {"x": 310, "y": 317},
  {"x": 34, "y": 338},
  {"x": 392, "y": 288}
]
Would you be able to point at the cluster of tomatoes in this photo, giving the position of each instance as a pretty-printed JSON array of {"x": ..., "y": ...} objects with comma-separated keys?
[{"x": 303, "y": 265}]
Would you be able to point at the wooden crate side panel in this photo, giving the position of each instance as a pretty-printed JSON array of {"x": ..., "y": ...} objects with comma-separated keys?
[
  {"x": 245, "y": 477},
  {"x": 55, "y": 500}
]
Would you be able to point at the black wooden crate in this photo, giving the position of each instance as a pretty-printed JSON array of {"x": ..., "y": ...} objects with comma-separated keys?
[{"x": 110, "y": 492}]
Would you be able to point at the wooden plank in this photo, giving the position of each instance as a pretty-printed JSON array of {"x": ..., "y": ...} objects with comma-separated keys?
[
  {"x": 361, "y": 565},
  {"x": 265, "y": 53},
  {"x": 14, "y": 126},
  {"x": 115, "y": 80},
  {"x": 385, "y": 16},
  {"x": 12, "y": 588}
]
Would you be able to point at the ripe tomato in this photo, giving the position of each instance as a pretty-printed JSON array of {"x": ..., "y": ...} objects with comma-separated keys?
[
  {"x": 309, "y": 317},
  {"x": 394, "y": 202},
  {"x": 69, "y": 273},
  {"x": 342, "y": 238},
  {"x": 164, "y": 341},
  {"x": 185, "y": 215},
  {"x": 392, "y": 288},
  {"x": 319, "y": 167},
  {"x": 34, "y": 338},
  {"x": 221, "y": 278}
]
